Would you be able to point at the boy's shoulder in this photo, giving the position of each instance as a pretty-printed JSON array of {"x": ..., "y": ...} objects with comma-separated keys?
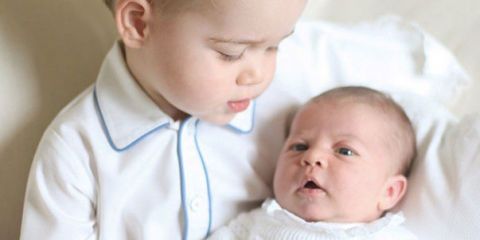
[
  {"x": 79, "y": 111},
  {"x": 75, "y": 125},
  {"x": 87, "y": 115}
]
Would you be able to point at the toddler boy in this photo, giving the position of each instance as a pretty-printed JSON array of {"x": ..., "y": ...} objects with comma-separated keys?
[{"x": 141, "y": 154}]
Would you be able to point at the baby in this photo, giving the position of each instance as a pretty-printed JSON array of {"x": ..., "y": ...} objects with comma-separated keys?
[{"x": 344, "y": 164}]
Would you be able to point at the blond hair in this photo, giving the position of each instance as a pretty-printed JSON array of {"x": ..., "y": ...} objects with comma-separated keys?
[
  {"x": 110, "y": 4},
  {"x": 404, "y": 135},
  {"x": 164, "y": 5}
]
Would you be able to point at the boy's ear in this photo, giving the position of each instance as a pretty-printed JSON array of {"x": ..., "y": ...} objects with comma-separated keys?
[
  {"x": 131, "y": 18},
  {"x": 392, "y": 192}
]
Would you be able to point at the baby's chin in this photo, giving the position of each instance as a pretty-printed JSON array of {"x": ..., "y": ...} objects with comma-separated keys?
[
  {"x": 312, "y": 217},
  {"x": 323, "y": 217},
  {"x": 316, "y": 214},
  {"x": 308, "y": 213}
]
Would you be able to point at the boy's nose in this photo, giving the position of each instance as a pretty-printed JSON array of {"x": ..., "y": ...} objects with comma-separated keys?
[{"x": 250, "y": 76}]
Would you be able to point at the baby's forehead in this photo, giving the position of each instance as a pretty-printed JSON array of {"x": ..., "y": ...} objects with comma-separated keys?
[
  {"x": 349, "y": 118},
  {"x": 344, "y": 120},
  {"x": 343, "y": 106}
]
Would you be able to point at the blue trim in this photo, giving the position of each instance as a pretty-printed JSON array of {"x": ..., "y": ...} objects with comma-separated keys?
[
  {"x": 107, "y": 132},
  {"x": 252, "y": 121},
  {"x": 182, "y": 180},
  {"x": 207, "y": 180}
]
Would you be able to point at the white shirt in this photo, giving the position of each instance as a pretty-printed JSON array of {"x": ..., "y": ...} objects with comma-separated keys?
[
  {"x": 272, "y": 222},
  {"x": 112, "y": 165}
]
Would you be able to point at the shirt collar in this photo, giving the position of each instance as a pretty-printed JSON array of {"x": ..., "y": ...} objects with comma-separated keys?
[{"x": 128, "y": 115}]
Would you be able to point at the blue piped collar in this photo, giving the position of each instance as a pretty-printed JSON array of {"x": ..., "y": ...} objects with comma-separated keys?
[{"x": 127, "y": 114}]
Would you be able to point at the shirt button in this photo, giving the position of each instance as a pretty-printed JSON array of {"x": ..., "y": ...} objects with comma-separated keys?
[{"x": 196, "y": 204}]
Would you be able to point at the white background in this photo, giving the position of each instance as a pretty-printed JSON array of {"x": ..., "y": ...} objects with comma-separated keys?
[{"x": 51, "y": 50}]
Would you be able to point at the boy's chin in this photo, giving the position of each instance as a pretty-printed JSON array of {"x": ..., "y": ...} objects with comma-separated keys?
[{"x": 220, "y": 119}]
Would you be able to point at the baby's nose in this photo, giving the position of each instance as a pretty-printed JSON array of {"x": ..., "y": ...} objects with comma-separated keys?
[{"x": 315, "y": 160}]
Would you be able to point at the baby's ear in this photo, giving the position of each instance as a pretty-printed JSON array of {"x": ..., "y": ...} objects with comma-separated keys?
[
  {"x": 131, "y": 18},
  {"x": 393, "y": 190}
]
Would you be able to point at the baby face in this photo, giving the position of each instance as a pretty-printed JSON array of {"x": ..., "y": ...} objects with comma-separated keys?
[
  {"x": 336, "y": 163},
  {"x": 212, "y": 59}
]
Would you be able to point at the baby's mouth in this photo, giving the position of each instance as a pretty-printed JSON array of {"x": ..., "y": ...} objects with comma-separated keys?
[{"x": 311, "y": 185}]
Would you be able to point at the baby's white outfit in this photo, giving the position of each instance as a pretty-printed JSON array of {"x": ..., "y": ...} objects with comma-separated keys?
[{"x": 273, "y": 222}]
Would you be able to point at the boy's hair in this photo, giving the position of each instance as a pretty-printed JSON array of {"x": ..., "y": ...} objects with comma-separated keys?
[
  {"x": 110, "y": 4},
  {"x": 403, "y": 137},
  {"x": 166, "y": 5}
]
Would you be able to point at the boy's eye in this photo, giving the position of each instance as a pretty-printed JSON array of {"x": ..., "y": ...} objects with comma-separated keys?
[
  {"x": 299, "y": 147},
  {"x": 272, "y": 49},
  {"x": 345, "y": 151},
  {"x": 230, "y": 58}
]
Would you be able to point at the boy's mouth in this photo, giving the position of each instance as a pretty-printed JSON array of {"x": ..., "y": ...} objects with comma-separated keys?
[{"x": 238, "y": 106}]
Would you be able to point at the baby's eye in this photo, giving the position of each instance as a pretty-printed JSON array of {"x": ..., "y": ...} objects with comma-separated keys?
[
  {"x": 345, "y": 151},
  {"x": 299, "y": 147},
  {"x": 230, "y": 58}
]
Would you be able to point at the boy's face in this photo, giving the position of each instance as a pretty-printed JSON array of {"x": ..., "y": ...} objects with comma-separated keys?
[
  {"x": 210, "y": 61},
  {"x": 335, "y": 163}
]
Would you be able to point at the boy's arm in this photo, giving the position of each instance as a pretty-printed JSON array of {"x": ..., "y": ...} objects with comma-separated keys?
[{"x": 60, "y": 197}]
